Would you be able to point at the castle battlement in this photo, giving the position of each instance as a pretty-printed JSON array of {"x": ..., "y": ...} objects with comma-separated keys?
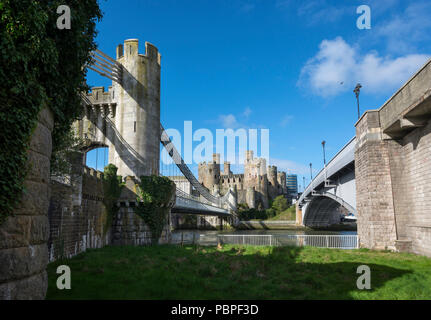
[
  {"x": 130, "y": 50},
  {"x": 99, "y": 96}
]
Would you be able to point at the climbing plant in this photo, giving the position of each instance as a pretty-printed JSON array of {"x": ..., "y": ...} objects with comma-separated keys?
[
  {"x": 154, "y": 194},
  {"x": 40, "y": 66},
  {"x": 112, "y": 186}
]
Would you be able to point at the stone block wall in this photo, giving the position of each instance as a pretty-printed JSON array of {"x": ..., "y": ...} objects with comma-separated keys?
[
  {"x": 393, "y": 181},
  {"x": 75, "y": 228},
  {"x": 129, "y": 229},
  {"x": 374, "y": 199},
  {"x": 23, "y": 237},
  {"x": 411, "y": 173},
  {"x": 201, "y": 222}
]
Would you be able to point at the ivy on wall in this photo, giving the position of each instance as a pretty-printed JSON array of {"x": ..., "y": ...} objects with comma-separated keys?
[
  {"x": 40, "y": 66},
  {"x": 154, "y": 195},
  {"x": 112, "y": 186}
]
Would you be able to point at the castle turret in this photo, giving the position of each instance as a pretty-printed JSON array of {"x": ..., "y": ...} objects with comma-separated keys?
[
  {"x": 138, "y": 111},
  {"x": 226, "y": 169},
  {"x": 281, "y": 177},
  {"x": 273, "y": 182}
]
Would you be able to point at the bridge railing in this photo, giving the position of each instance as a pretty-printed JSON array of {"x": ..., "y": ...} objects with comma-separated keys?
[{"x": 345, "y": 156}]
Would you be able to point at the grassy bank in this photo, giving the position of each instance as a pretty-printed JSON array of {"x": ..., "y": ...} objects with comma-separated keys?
[{"x": 173, "y": 272}]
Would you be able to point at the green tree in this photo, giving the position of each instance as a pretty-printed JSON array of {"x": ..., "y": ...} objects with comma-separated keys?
[
  {"x": 154, "y": 194},
  {"x": 280, "y": 204},
  {"x": 40, "y": 66}
]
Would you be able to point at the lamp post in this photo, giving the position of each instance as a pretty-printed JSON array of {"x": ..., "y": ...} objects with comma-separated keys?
[
  {"x": 357, "y": 91},
  {"x": 311, "y": 171},
  {"x": 324, "y": 156},
  {"x": 303, "y": 180}
]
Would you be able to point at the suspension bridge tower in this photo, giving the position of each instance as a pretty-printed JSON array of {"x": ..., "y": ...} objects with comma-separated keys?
[{"x": 137, "y": 115}]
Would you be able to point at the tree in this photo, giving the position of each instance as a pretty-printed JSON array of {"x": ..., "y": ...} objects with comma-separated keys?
[
  {"x": 280, "y": 204},
  {"x": 40, "y": 66}
]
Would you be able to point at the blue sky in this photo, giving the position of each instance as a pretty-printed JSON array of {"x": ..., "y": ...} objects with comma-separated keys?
[{"x": 289, "y": 66}]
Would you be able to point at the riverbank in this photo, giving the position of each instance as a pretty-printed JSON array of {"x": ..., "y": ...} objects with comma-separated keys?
[
  {"x": 240, "y": 272},
  {"x": 268, "y": 225},
  {"x": 289, "y": 225}
]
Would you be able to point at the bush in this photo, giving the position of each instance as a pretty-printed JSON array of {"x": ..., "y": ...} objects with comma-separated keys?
[
  {"x": 112, "y": 186},
  {"x": 154, "y": 194}
]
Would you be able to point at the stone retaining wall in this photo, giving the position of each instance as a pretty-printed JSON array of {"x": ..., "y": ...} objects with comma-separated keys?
[{"x": 23, "y": 237}]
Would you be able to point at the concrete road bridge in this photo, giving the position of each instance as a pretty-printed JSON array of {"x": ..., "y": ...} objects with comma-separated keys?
[{"x": 331, "y": 192}]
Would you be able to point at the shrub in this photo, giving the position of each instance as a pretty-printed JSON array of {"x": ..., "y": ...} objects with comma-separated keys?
[{"x": 154, "y": 194}]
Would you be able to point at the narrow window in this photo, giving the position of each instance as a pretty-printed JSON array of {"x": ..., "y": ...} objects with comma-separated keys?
[{"x": 134, "y": 126}]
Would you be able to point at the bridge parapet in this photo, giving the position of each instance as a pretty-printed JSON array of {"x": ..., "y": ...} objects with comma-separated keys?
[{"x": 408, "y": 108}]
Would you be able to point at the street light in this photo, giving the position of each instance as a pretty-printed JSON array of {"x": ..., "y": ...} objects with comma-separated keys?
[
  {"x": 303, "y": 180},
  {"x": 324, "y": 156},
  {"x": 357, "y": 91},
  {"x": 311, "y": 171}
]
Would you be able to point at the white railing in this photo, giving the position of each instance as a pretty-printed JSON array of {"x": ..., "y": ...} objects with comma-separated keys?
[
  {"x": 321, "y": 241},
  {"x": 297, "y": 240}
]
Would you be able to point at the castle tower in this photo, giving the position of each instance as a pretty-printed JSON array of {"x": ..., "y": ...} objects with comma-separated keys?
[
  {"x": 281, "y": 177},
  {"x": 273, "y": 182},
  {"x": 226, "y": 168},
  {"x": 255, "y": 176},
  {"x": 138, "y": 111},
  {"x": 209, "y": 173}
]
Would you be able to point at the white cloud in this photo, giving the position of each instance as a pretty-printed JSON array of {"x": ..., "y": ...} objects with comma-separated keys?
[
  {"x": 228, "y": 121},
  {"x": 337, "y": 67},
  {"x": 247, "y": 112},
  {"x": 403, "y": 31},
  {"x": 286, "y": 120}
]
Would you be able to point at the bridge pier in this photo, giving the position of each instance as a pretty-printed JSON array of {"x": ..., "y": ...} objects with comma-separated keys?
[
  {"x": 298, "y": 215},
  {"x": 374, "y": 199},
  {"x": 392, "y": 169}
]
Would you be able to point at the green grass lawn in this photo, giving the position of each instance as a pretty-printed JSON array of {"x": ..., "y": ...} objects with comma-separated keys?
[{"x": 235, "y": 272}]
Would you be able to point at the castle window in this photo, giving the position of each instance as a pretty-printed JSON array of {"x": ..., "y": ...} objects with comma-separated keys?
[
  {"x": 134, "y": 126},
  {"x": 215, "y": 176}
]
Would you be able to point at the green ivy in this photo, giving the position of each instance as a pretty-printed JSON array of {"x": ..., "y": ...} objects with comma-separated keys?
[
  {"x": 40, "y": 66},
  {"x": 112, "y": 186},
  {"x": 154, "y": 194}
]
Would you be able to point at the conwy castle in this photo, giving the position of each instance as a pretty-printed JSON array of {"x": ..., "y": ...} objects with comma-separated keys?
[{"x": 255, "y": 187}]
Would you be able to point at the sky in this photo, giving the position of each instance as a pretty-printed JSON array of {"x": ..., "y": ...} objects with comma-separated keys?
[{"x": 284, "y": 65}]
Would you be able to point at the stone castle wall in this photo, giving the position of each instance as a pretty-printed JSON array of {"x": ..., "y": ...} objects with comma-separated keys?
[
  {"x": 23, "y": 236},
  {"x": 76, "y": 228}
]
